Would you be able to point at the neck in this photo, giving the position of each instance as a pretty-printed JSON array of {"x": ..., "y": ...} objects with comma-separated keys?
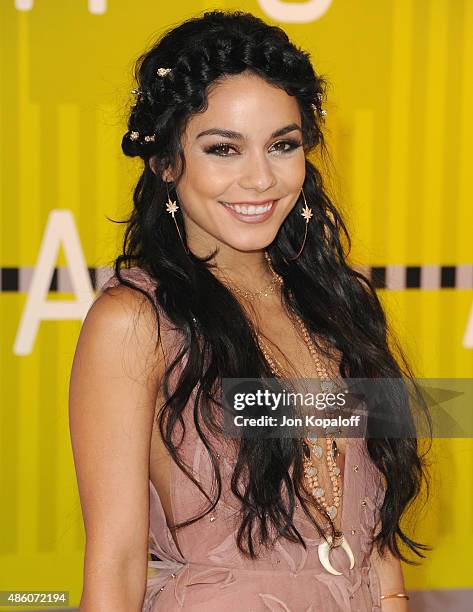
[
  {"x": 245, "y": 269},
  {"x": 248, "y": 270}
]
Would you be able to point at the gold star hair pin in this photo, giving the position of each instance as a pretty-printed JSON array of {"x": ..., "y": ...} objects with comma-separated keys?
[
  {"x": 318, "y": 107},
  {"x": 147, "y": 138},
  {"x": 134, "y": 135}
]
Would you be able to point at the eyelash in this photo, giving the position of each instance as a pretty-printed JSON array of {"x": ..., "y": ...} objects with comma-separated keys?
[{"x": 294, "y": 144}]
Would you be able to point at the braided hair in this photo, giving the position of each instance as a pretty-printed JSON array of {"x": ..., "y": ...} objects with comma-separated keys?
[{"x": 230, "y": 44}]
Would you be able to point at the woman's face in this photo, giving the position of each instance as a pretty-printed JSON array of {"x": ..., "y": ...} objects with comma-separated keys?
[{"x": 237, "y": 189}]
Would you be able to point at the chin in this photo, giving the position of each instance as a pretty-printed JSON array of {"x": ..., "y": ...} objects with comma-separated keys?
[{"x": 246, "y": 246}]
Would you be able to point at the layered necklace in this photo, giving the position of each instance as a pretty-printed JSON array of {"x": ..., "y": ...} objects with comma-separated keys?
[{"x": 312, "y": 449}]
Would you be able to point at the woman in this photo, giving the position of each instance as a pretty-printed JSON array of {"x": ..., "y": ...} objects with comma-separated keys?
[{"x": 232, "y": 267}]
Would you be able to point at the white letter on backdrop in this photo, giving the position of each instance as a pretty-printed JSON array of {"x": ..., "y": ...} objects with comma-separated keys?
[
  {"x": 468, "y": 337},
  {"x": 60, "y": 229},
  {"x": 96, "y": 7},
  {"x": 295, "y": 12},
  {"x": 23, "y": 5}
]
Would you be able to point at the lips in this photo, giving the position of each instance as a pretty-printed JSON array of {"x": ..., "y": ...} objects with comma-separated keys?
[
  {"x": 250, "y": 209},
  {"x": 254, "y": 202},
  {"x": 251, "y": 213}
]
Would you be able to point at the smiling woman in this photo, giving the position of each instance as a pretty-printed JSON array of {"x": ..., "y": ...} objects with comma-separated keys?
[
  {"x": 233, "y": 267},
  {"x": 239, "y": 191}
]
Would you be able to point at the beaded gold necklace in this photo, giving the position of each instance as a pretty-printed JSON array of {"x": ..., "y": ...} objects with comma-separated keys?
[{"x": 312, "y": 449}]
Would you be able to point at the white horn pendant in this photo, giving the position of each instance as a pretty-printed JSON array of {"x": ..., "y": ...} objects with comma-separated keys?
[{"x": 323, "y": 551}]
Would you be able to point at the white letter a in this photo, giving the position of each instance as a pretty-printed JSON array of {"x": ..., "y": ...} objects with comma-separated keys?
[{"x": 60, "y": 229}]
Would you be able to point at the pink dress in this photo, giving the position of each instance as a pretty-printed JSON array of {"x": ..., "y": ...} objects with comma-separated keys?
[{"x": 209, "y": 574}]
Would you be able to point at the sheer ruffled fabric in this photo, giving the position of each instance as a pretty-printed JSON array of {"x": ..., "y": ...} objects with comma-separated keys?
[
  {"x": 207, "y": 573},
  {"x": 214, "y": 575}
]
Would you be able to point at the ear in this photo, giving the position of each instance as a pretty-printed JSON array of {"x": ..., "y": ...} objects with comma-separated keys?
[
  {"x": 153, "y": 164},
  {"x": 165, "y": 175}
]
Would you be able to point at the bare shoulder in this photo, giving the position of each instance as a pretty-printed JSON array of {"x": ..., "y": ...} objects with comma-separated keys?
[
  {"x": 123, "y": 320},
  {"x": 114, "y": 382}
]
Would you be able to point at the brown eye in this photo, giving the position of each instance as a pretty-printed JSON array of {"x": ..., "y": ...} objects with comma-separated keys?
[
  {"x": 221, "y": 149},
  {"x": 215, "y": 149},
  {"x": 292, "y": 144}
]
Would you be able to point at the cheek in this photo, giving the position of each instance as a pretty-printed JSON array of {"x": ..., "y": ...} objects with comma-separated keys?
[
  {"x": 295, "y": 173},
  {"x": 207, "y": 180}
]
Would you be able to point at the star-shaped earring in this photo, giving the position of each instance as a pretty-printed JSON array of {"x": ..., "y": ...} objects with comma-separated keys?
[
  {"x": 171, "y": 207},
  {"x": 307, "y": 213}
]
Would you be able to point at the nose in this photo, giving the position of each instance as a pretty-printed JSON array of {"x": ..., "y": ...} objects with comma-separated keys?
[{"x": 257, "y": 172}]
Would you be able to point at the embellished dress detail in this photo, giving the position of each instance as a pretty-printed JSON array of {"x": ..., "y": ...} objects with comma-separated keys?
[{"x": 206, "y": 572}]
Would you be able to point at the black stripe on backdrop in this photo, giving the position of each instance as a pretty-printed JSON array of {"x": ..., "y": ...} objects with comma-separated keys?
[{"x": 407, "y": 277}]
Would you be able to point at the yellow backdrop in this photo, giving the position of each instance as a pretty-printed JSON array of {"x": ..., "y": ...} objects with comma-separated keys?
[{"x": 399, "y": 123}]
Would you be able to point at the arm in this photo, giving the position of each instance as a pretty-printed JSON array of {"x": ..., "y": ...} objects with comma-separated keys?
[
  {"x": 112, "y": 398},
  {"x": 391, "y": 580}
]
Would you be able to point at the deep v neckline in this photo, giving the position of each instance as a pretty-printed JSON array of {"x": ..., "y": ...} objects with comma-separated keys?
[{"x": 346, "y": 462}]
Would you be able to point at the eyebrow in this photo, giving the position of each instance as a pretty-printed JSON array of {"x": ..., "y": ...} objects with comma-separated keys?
[{"x": 238, "y": 136}]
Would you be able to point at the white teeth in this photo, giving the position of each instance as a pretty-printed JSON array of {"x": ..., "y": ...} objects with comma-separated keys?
[{"x": 251, "y": 209}]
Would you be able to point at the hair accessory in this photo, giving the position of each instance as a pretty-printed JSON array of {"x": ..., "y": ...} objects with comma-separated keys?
[
  {"x": 322, "y": 112},
  {"x": 307, "y": 214},
  {"x": 136, "y": 136},
  {"x": 163, "y": 71},
  {"x": 318, "y": 107},
  {"x": 172, "y": 208},
  {"x": 400, "y": 595},
  {"x": 137, "y": 92}
]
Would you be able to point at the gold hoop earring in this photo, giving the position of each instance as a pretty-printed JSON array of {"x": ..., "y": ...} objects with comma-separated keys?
[
  {"x": 172, "y": 208},
  {"x": 307, "y": 214}
]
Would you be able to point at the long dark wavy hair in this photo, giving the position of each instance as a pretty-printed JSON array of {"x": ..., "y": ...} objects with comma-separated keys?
[{"x": 218, "y": 339}]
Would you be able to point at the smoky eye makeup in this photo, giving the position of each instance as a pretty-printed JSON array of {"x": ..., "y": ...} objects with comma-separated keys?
[{"x": 283, "y": 147}]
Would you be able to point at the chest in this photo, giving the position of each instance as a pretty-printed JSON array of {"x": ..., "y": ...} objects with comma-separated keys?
[
  {"x": 284, "y": 342},
  {"x": 288, "y": 345}
]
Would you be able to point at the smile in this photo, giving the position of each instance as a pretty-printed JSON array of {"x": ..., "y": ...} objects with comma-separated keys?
[{"x": 251, "y": 212}]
